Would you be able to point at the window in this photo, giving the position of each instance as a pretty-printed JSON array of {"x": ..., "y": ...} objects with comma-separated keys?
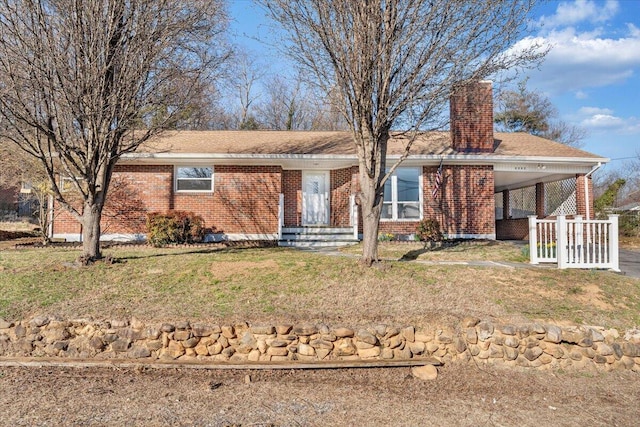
[
  {"x": 191, "y": 178},
  {"x": 403, "y": 195},
  {"x": 67, "y": 185}
]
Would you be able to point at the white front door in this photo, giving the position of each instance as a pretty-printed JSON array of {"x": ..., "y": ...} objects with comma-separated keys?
[{"x": 315, "y": 198}]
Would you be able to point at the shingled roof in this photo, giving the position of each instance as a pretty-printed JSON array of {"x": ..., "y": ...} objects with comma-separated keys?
[{"x": 341, "y": 144}]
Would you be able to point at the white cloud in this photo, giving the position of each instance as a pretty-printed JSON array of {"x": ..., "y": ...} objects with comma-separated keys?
[
  {"x": 572, "y": 13},
  {"x": 603, "y": 121},
  {"x": 599, "y": 119},
  {"x": 581, "y": 60},
  {"x": 591, "y": 111},
  {"x": 581, "y": 95}
]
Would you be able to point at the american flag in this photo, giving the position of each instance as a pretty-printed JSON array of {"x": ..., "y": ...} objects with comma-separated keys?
[{"x": 438, "y": 181}]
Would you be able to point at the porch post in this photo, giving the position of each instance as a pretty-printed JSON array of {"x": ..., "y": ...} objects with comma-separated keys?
[
  {"x": 533, "y": 240},
  {"x": 280, "y": 215},
  {"x": 354, "y": 215},
  {"x": 540, "y": 200},
  {"x": 578, "y": 243},
  {"x": 584, "y": 196},
  {"x": 613, "y": 243},
  {"x": 505, "y": 204},
  {"x": 561, "y": 245}
]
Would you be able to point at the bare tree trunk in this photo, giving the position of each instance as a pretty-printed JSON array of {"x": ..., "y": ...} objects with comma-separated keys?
[
  {"x": 370, "y": 226},
  {"x": 371, "y": 205},
  {"x": 42, "y": 198},
  {"x": 91, "y": 216}
]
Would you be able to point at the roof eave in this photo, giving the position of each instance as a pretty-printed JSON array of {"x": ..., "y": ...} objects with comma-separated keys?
[{"x": 290, "y": 160}]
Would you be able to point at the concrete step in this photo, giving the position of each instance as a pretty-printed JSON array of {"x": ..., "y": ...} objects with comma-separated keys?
[
  {"x": 314, "y": 236},
  {"x": 316, "y": 243},
  {"x": 311, "y": 237},
  {"x": 317, "y": 230}
]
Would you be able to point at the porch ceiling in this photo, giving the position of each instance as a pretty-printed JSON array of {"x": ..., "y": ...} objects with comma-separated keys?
[
  {"x": 515, "y": 180},
  {"x": 510, "y": 175}
]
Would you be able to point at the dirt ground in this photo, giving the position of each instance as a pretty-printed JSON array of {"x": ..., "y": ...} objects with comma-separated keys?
[{"x": 462, "y": 395}]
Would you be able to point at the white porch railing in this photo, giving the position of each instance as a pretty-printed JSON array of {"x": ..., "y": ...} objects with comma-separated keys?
[
  {"x": 280, "y": 215},
  {"x": 353, "y": 208},
  {"x": 574, "y": 243}
]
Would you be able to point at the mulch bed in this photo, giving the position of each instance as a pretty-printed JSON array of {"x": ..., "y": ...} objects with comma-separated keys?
[{"x": 12, "y": 235}]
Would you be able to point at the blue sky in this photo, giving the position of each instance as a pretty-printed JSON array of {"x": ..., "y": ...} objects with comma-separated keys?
[{"x": 591, "y": 74}]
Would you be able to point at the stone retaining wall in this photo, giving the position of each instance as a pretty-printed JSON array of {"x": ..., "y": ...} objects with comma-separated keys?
[{"x": 533, "y": 345}]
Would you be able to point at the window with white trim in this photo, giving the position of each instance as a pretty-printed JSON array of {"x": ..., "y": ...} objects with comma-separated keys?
[
  {"x": 194, "y": 178},
  {"x": 403, "y": 195},
  {"x": 67, "y": 183}
]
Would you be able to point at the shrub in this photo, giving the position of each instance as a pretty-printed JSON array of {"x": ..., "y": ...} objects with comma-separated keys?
[
  {"x": 174, "y": 227},
  {"x": 429, "y": 231},
  {"x": 629, "y": 224}
]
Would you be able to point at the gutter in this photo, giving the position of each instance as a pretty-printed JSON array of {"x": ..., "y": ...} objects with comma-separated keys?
[{"x": 435, "y": 158}]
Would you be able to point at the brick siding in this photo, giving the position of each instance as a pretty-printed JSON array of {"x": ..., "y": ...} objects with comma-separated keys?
[
  {"x": 292, "y": 188},
  {"x": 465, "y": 206},
  {"x": 512, "y": 229},
  {"x": 245, "y": 200},
  {"x": 342, "y": 183}
]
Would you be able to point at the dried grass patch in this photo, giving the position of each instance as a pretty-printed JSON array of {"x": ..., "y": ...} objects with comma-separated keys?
[
  {"x": 629, "y": 242},
  {"x": 474, "y": 250},
  {"x": 224, "y": 270},
  {"x": 284, "y": 285}
]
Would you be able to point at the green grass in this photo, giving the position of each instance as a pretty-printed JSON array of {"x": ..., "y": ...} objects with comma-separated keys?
[
  {"x": 285, "y": 285},
  {"x": 448, "y": 251}
]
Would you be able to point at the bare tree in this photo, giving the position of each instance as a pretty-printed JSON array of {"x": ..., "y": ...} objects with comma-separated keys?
[
  {"x": 288, "y": 103},
  {"x": 327, "y": 115},
  {"x": 82, "y": 82},
  {"x": 284, "y": 105},
  {"x": 523, "y": 110},
  {"x": 245, "y": 72},
  {"x": 394, "y": 64},
  {"x": 20, "y": 170}
]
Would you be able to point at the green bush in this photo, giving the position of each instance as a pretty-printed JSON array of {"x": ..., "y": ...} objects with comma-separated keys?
[
  {"x": 629, "y": 224},
  {"x": 174, "y": 227},
  {"x": 429, "y": 231}
]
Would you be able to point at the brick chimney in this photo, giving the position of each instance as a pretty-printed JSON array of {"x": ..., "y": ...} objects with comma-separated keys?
[{"x": 471, "y": 115}]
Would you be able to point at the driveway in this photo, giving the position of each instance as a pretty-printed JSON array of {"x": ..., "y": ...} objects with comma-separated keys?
[{"x": 630, "y": 262}]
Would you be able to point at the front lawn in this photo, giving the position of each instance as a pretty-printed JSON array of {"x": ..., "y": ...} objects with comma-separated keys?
[{"x": 286, "y": 285}]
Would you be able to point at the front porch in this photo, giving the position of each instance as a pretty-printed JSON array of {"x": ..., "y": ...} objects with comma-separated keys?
[
  {"x": 321, "y": 234},
  {"x": 543, "y": 195}
]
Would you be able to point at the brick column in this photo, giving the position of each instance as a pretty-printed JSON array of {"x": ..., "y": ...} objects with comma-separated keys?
[
  {"x": 505, "y": 204},
  {"x": 581, "y": 197},
  {"x": 540, "y": 200}
]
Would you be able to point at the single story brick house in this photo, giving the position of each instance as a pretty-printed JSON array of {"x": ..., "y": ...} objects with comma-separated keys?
[{"x": 296, "y": 186}]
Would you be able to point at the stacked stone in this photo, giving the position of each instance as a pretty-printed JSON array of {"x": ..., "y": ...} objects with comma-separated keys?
[
  {"x": 547, "y": 346},
  {"x": 532, "y": 345}
]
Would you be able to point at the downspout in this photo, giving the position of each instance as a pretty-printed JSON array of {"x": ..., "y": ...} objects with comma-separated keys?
[{"x": 586, "y": 188}]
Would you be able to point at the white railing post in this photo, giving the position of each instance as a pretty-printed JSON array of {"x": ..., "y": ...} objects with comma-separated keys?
[
  {"x": 613, "y": 243},
  {"x": 280, "y": 215},
  {"x": 579, "y": 240},
  {"x": 354, "y": 215},
  {"x": 533, "y": 240},
  {"x": 562, "y": 249}
]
